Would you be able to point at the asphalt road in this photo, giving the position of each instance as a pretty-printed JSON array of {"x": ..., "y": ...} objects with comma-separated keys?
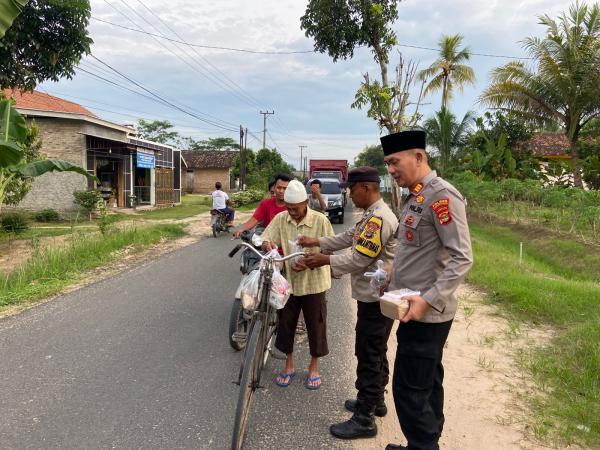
[{"x": 142, "y": 360}]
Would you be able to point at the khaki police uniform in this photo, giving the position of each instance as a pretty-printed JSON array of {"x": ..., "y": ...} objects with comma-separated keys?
[
  {"x": 433, "y": 256},
  {"x": 370, "y": 240}
]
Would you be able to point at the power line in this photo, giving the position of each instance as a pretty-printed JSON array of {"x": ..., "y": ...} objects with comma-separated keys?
[
  {"x": 211, "y": 47},
  {"x": 161, "y": 99},
  {"x": 260, "y": 52}
]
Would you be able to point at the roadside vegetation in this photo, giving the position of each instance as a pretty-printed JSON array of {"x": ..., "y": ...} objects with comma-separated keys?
[
  {"x": 51, "y": 269},
  {"x": 556, "y": 285}
]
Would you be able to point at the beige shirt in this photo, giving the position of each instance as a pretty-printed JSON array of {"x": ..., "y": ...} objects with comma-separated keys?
[
  {"x": 283, "y": 229},
  {"x": 434, "y": 246},
  {"x": 377, "y": 226}
]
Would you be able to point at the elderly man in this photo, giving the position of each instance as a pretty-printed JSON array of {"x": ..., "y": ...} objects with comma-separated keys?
[
  {"x": 433, "y": 256},
  {"x": 308, "y": 286},
  {"x": 371, "y": 239}
]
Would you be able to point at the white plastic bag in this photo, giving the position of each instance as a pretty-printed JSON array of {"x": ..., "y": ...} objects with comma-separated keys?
[
  {"x": 378, "y": 278},
  {"x": 249, "y": 291},
  {"x": 280, "y": 290},
  {"x": 295, "y": 248}
]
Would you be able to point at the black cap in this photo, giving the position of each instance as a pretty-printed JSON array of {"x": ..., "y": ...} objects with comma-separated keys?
[
  {"x": 405, "y": 140},
  {"x": 364, "y": 174}
]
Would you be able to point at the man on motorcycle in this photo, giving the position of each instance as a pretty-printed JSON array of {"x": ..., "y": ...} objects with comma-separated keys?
[
  {"x": 220, "y": 202},
  {"x": 268, "y": 208}
]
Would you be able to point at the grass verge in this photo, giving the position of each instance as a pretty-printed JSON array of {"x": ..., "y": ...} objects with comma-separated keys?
[
  {"x": 557, "y": 285},
  {"x": 50, "y": 270},
  {"x": 191, "y": 205}
]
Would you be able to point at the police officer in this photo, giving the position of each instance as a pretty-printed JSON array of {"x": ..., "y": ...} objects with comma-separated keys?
[
  {"x": 432, "y": 257},
  {"x": 371, "y": 239}
]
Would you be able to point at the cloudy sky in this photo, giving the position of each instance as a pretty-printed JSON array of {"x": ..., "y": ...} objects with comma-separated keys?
[{"x": 310, "y": 94}]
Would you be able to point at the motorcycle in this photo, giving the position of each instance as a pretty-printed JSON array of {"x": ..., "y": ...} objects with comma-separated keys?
[
  {"x": 239, "y": 318},
  {"x": 218, "y": 222}
]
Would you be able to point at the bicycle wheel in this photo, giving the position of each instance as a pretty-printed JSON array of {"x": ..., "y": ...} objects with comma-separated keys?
[{"x": 248, "y": 384}]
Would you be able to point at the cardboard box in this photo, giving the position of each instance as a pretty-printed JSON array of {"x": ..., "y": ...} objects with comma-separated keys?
[{"x": 394, "y": 309}]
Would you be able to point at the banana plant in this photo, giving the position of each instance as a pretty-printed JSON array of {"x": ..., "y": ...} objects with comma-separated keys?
[
  {"x": 9, "y": 10},
  {"x": 13, "y": 132}
]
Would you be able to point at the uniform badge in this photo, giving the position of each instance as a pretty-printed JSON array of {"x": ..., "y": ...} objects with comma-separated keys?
[
  {"x": 417, "y": 188},
  {"x": 420, "y": 199},
  {"x": 369, "y": 241},
  {"x": 409, "y": 220},
  {"x": 441, "y": 208},
  {"x": 409, "y": 235}
]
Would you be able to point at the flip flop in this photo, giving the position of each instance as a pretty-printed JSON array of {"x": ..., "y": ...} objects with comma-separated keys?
[
  {"x": 285, "y": 376},
  {"x": 312, "y": 380}
]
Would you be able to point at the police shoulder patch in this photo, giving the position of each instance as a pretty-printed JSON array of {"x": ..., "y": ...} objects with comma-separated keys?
[
  {"x": 369, "y": 240},
  {"x": 441, "y": 208}
]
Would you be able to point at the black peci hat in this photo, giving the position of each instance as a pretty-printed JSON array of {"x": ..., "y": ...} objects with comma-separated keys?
[
  {"x": 404, "y": 140},
  {"x": 363, "y": 174}
]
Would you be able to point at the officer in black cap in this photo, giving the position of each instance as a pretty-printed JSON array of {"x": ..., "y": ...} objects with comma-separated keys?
[
  {"x": 371, "y": 239},
  {"x": 432, "y": 257}
]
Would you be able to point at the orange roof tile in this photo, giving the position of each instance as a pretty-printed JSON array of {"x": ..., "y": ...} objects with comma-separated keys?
[{"x": 40, "y": 101}]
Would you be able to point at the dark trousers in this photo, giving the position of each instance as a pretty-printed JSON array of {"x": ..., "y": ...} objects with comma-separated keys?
[
  {"x": 372, "y": 371},
  {"x": 417, "y": 383},
  {"x": 314, "y": 307},
  {"x": 229, "y": 212}
]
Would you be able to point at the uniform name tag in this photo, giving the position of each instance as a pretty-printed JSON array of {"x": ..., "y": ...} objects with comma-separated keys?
[{"x": 416, "y": 209}]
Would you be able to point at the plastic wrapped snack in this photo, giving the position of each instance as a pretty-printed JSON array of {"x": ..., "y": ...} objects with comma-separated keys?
[
  {"x": 295, "y": 247},
  {"x": 280, "y": 290},
  {"x": 378, "y": 278},
  {"x": 393, "y": 305},
  {"x": 249, "y": 291}
]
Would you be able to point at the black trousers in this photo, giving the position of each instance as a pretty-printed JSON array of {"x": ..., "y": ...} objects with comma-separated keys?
[
  {"x": 314, "y": 307},
  {"x": 372, "y": 371},
  {"x": 417, "y": 383}
]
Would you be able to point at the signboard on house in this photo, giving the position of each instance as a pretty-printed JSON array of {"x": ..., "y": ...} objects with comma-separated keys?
[{"x": 144, "y": 160}]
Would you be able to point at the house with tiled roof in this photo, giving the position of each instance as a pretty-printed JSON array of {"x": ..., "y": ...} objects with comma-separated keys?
[
  {"x": 206, "y": 167},
  {"x": 127, "y": 167},
  {"x": 549, "y": 146}
]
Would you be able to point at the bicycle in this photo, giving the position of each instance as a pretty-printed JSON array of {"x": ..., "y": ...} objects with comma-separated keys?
[{"x": 261, "y": 334}]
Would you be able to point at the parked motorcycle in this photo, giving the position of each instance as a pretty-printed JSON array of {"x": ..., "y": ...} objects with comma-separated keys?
[
  {"x": 239, "y": 318},
  {"x": 218, "y": 222}
]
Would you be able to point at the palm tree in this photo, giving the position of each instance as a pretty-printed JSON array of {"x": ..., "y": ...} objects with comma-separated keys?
[
  {"x": 564, "y": 88},
  {"x": 445, "y": 133},
  {"x": 449, "y": 70}
]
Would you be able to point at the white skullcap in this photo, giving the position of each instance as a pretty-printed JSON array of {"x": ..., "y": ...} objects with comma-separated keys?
[{"x": 295, "y": 192}]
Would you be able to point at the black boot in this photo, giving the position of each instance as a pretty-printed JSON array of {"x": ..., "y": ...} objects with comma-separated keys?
[
  {"x": 380, "y": 408},
  {"x": 360, "y": 425}
]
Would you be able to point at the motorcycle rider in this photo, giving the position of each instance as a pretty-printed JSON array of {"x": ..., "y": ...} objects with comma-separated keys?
[{"x": 220, "y": 202}]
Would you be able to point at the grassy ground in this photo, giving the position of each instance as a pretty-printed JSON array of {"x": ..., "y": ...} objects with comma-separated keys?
[
  {"x": 50, "y": 270},
  {"x": 249, "y": 207},
  {"x": 556, "y": 285},
  {"x": 191, "y": 205}
]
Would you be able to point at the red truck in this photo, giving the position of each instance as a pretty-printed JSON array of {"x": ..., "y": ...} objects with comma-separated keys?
[{"x": 329, "y": 168}]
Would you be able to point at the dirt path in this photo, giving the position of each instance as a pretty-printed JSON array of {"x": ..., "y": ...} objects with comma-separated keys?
[{"x": 482, "y": 383}]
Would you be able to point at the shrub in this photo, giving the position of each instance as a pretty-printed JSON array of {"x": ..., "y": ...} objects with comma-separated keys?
[
  {"x": 88, "y": 200},
  {"x": 14, "y": 222},
  {"x": 47, "y": 215},
  {"x": 246, "y": 197}
]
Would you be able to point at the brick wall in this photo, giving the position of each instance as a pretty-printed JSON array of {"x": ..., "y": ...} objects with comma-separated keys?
[
  {"x": 205, "y": 179},
  {"x": 61, "y": 139}
]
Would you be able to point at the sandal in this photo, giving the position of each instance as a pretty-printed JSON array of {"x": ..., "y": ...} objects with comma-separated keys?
[
  {"x": 313, "y": 380},
  {"x": 286, "y": 379}
]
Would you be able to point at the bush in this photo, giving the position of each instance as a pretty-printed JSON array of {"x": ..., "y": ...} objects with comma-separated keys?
[
  {"x": 47, "y": 215},
  {"x": 14, "y": 222},
  {"x": 88, "y": 200},
  {"x": 246, "y": 197}
]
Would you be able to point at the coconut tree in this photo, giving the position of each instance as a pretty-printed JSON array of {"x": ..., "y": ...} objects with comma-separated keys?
[
  {"x": 449, "y": 71},
  {"x": 13, "y": 133},
  {"x": 446, "y": 133},
  {"x": 563, "y": 85}
]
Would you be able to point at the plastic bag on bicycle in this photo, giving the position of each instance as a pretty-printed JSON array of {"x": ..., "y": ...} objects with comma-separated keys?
[
  {"x": 280, "y": 290},
  {"x": 249, "y": 292}
]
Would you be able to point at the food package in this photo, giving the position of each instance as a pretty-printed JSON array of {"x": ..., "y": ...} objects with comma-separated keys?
[
  {"x": 249, "y": 291},
  {"x": 393, "y": 305},
  {"x": 280, "y": 290}
]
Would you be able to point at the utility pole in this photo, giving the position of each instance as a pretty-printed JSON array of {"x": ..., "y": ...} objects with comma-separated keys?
[
  {"x": 305, "y": 164},
  {"x": 242, "y": 160},
  {"x": 265, "y": 114},
  {"x": 245, "y": 151},
  {"x": 302, "y": 147}
]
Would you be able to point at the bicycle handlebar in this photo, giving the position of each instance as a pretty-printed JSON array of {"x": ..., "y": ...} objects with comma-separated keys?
[{"x": 285, "y": 258}]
